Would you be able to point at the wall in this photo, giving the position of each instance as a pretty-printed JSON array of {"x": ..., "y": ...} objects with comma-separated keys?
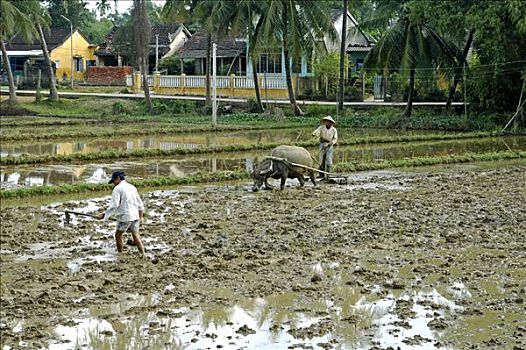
[
  {"x": 108, "y": 75},
  {"x": 62, "y": 53},
  {"x": 177, "y": 43}
]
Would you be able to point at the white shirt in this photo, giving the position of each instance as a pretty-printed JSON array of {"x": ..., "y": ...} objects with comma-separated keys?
[
  {"x": 125, "y": 203},
  {"x": 327, "y": 135}
]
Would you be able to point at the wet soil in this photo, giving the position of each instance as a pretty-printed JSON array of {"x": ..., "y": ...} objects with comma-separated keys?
[{"x": 428, "y": 260}]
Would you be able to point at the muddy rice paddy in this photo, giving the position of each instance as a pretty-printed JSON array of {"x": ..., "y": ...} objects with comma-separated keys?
[{"x": 393, "y": 260}]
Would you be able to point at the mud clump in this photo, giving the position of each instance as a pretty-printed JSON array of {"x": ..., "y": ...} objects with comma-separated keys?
[{"x": 245, "y": 330}]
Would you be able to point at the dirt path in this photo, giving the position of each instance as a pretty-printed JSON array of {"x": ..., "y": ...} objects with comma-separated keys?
[{"x": 429, "y": 260}]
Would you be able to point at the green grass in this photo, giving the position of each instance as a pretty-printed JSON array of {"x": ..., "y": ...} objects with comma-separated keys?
[
  {"x": 140, "y": 130},
  {"x": 155, "y": 153},
  {"x": 191, "y": 112},
  {"x": 240, "y": 175}
]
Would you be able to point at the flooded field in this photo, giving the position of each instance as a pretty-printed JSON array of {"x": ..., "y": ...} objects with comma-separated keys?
[
  {"x": 416, "y": 260},
  {"x": 191, "y": 140},
  {"x": 23, "y": 176}
]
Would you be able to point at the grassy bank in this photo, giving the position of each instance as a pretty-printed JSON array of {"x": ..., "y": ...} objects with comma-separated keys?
[
  {"x": 153, "y": 153},
  {"x": 140, "y": 130},
  {"x": 191, "y": 112},
  {"x": 229, "y": 176}
]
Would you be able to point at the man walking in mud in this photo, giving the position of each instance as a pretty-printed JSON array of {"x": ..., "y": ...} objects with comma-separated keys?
[
  {"x": 328, "y": 136},
  {"x": 128, "y": 208}
]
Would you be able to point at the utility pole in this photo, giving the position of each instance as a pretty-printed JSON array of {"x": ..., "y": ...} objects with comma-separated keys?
[
  {"x": 156, "y": 52},
  {"x": 214, "y": 85},
  {"x": 71, "y": 44}
]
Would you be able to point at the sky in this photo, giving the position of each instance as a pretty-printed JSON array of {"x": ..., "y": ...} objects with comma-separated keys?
[{"x": 122, "y": 5}]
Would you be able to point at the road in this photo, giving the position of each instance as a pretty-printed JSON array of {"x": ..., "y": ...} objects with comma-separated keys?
[{"x": 365, "y": 104}]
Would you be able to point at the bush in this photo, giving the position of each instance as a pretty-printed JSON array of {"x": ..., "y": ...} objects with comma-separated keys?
[
  {"x": 118, "y": 108},
  {"x": 317, "y": 110},
  {"x": 252, "y": 105},
  {"x": 171, "y": 107}
]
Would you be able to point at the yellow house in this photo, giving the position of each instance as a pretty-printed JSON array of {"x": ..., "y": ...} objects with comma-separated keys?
[
  {"x": 59, "y": 42},
  {"x": 83, "y": 56}
]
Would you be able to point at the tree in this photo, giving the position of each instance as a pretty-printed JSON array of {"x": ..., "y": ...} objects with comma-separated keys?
[
  {"x": 142, "y": 33},
  {"x": 240, "y": 18},
  {"x": 326, "y": 67},
  {"x": 410, "y": 44},
  {"x": 298, "y": 26},
  {"x": 198, "y": 10},
  {"x": 343, "y": 56},
  {"x": 13, "y": 20}
]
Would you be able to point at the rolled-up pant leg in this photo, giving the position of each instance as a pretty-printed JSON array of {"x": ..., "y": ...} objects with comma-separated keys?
[
  {"x": 329, "y": 153},
  {"x": 322, "y": 157}
]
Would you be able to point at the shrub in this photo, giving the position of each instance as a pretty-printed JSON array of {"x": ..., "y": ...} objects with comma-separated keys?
[
  {"x": 118, "y": 108},
  {"x": 252, "y": 105}
]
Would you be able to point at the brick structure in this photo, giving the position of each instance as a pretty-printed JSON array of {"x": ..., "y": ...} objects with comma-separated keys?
[{"x": 108, "y": 75}]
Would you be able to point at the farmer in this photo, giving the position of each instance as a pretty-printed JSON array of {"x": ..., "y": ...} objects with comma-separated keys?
[
  {"x": 328, "y": 136},
  {"x": 128, "y": 208}
]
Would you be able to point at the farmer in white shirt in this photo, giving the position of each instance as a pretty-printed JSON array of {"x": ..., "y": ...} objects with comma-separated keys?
[
  {"x": 328, "y": 136},
  {"x": 128, "y": 208}
]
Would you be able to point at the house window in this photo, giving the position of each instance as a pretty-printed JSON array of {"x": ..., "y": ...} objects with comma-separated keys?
[
  {"x": 79, "y": 64},
  {"x": 91, "y": 63},
  {"x": 269, "y": 63},
  {"x": 296, "y": 65},
  {"x": 57, "y": 63}
]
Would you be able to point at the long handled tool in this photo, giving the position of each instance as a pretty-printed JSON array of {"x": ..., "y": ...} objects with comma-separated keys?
[{"x": 69, "y": 212}]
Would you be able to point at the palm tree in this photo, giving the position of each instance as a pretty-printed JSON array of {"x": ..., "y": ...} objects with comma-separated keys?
[
  {"x": 142, "y": 31},
  {"x": 200, "y": 10},
  {"x": 343, "y": 56},
  {"x": 240, "y": 18},
  {"x": 15, "y": 19},
  {"x": 298, "y": 26},
  {"x": 411, "y": 43}
]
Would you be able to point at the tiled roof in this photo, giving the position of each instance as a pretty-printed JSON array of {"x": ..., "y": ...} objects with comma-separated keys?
[
  {"x": 196, "y": 46},
  {"x": 54, "y": 37}
]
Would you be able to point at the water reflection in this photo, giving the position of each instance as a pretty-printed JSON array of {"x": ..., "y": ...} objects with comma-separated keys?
[
  {"x": 167, "y": 142},
  {"x": 25, "y": 176},
  {"x": 350, "y": 320}
]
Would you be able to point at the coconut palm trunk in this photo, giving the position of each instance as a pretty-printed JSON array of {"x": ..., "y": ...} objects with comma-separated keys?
[
  {"x": 256, "y": 85},
  {"x": 409, "y": 108},
  {"x": 13, "y": 100},
  {"x": 342, "y": 57},
  {"x": 458, "y": 73},
  {"x": 53, "y": 94},
  {"x": 143, "y": 64},
  {"x": 292, "y": 97}
]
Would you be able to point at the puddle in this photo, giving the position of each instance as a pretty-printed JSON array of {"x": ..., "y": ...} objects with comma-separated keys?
[
  {"x": 26, "y": 176},
  {"x": 98, "y": 245},
  {"x": 281, "y": 321}
]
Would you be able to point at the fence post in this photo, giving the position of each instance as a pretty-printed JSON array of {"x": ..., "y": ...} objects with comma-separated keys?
[
  {"x": 232, "y": 84},
  {"x": 183, "y": 83},
  {"x": 157, "y": 82},
  {"x": 137, "y": 80}
]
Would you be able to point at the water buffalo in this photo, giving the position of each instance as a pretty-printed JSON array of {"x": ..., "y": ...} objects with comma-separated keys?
[{"x": 278, "y": 166}]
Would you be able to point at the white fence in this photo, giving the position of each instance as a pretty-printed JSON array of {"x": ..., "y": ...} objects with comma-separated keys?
[{"x": 199, "y": 81}]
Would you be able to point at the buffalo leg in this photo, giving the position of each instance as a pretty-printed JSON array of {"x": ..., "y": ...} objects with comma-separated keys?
[
  {"x": 283, "y": 180},
  {"x": 302, "y": 180},
  {"x": 312, "y": 178},
  {"x": 284, "y": 177}
]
